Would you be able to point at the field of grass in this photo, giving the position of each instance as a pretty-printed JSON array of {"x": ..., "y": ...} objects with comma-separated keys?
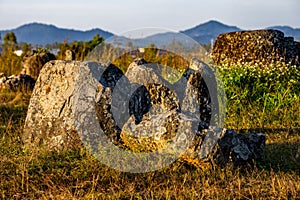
[{"x": 259, "y": 98}]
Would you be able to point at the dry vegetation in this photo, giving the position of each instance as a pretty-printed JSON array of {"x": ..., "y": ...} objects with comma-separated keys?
[{"x": 259, "y": 99}]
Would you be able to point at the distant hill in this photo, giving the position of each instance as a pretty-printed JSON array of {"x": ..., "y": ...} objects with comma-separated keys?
[
  {"x": 162, "y": 40},
  {"x": 202, "y": 34},
  {"x": 208, "y": 31},
  {"x": 42, "y": 34}
]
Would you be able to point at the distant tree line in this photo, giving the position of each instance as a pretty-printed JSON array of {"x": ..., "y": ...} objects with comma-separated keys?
[
  {"x": 10, "y": 63},
  {"x": 80, "y": 48}
]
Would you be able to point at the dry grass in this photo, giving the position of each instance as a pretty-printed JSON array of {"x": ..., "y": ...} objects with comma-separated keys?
[{"x": 77, "y": 175}]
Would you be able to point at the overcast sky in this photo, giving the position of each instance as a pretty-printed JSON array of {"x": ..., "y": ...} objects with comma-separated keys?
[{"x": 119, "y": 16}]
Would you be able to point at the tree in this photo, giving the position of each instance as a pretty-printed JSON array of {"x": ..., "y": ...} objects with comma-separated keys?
[
  {"x": 9, "y": 62},
  {"x": 9, "y": 41},
  {"x": 25, "y": 47},
  {"x": 90, "y": 45}
]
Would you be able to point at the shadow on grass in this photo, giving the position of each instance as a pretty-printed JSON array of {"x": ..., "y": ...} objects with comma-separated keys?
[
  {"x": 282, "y": 156},
  {"x": 282, "y": 151}
]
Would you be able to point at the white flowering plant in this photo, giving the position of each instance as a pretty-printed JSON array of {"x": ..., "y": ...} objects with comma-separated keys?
[{"x": 262, "y": 95}]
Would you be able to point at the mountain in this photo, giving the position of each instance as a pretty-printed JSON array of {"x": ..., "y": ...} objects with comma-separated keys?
[
  {"x": 288, "y": 31},
  {"x": 162, "y": 40},
  {"x": 203, "y": 34},
  {"x": 208, "y": 31},
  {"x": 42, "y": 34}
]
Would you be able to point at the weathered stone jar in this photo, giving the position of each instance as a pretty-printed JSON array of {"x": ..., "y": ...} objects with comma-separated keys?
[
  {"x": 259, "y": 46},
  {"x": 94, "y": 105}
]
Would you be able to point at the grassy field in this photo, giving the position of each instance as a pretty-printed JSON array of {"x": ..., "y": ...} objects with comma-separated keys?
[{"x": 259, "y": 98}]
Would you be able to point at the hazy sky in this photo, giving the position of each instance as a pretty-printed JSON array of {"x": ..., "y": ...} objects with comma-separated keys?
[{"x": 118, "y": 16}]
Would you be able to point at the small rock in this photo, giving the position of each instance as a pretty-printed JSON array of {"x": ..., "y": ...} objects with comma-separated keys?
[
  {"x": 16, "y": 81},
  {"x": 69, "y": 55},
  {"x": 33, "y": 64}
]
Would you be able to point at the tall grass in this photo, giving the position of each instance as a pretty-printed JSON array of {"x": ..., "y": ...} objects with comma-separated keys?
[
  {"x": 10, "y": 63},
  {"x": 262, "y": 96}
]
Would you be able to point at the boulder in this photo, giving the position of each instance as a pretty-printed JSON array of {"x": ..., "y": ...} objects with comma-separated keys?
[
  {"x": 69, "y": 55},
  {"x": 258, "y": 46},
  {"x": 14, "y": 82},
  {"x": 33, "y": 64},
  {"x": 53, "y": 106},
  {"x": 184, "y": 125},
  {"x": 50, "y": 120},
  {"x": 95, "y": 105}
]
